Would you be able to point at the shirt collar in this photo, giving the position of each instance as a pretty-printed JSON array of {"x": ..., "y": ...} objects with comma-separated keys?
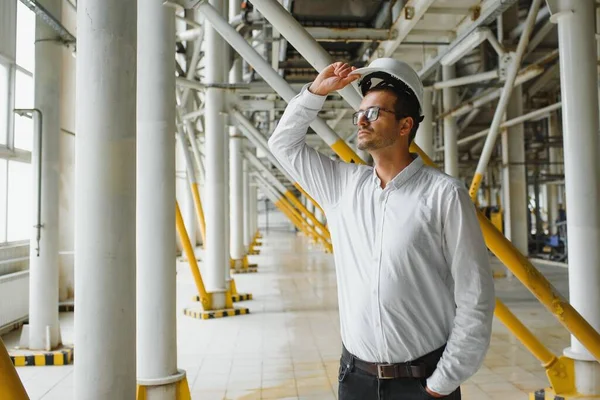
[{"x": 403, "y": 176}]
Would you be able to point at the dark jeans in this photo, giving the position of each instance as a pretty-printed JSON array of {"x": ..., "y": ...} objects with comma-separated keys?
[{"x": 355, "y": 384}]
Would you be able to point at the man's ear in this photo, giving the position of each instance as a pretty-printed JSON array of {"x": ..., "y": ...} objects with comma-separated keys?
[{"x": 406, "y": 125}]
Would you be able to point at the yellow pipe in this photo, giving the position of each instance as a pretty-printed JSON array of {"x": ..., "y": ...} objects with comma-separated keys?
[
  {"x": 294, "y": 200},
  {"x": 539, "y": 286},
  {"x": 312, "y": 230},
  {"x": 475, "y": 186},
  {"x": 533, "y": 279},
  {"x": 559, "y": 370},
  {"x": 11, "y": 386},
  {"x": 342, "y": 149},
  {"x": 524, "y": 335},
  {"x": 199, "y": 212},
  {"x": 296, "y": 220},
  {"x": 205, "y": 298},
  {"x": 297, "y": 185}
]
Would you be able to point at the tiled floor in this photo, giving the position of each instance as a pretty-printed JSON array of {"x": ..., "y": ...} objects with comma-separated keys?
[{"x": 288, "y": 347}]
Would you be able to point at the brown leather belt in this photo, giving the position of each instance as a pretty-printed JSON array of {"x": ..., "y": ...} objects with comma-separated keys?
[{"x": 387, "y": 371}]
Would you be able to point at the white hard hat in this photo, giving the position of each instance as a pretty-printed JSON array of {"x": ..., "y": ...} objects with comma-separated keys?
[{"x": 397, "y": 69}]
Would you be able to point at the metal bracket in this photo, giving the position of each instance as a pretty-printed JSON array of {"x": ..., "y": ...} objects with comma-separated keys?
[
  {"x": 504, "y": 65},
  {"x": 475, "y": 12},
  {"x": 409, "y": 12},
  {"x": 66, "y": 37},
  {"x": 561, "y": 375}
]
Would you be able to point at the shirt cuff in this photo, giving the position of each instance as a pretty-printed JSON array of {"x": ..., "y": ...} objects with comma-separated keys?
[
  {"x": 311, "y": 100},
  {"x": 440, "y": 385}
]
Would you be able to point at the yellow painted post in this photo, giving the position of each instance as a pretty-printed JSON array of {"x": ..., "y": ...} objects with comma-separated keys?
[
  {"x": 11, "y": 386},
  {"x": 205, "y": 298},
  {"x": 199, "y": 212},
  {"x": 294, "y": 200}
]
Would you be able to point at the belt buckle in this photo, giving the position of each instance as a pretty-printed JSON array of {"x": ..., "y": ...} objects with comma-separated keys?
[{"x": 381, "y": 371}]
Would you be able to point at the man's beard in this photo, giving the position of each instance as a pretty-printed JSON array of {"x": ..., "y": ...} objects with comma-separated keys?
[{"x": 375, "y": 142}]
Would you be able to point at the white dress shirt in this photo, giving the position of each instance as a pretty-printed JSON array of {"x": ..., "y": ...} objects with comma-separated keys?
[{"x": 412, "y": 268}]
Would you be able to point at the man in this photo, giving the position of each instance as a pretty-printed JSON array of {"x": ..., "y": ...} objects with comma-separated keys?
[{"x": 415, "y": 289}]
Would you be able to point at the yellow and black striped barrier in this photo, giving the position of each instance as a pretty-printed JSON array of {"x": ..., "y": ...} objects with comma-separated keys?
[
  {"x": 236, "y": 298},
  {"x": 59, "y": 357},
  {"x": 215, "y": 314}
]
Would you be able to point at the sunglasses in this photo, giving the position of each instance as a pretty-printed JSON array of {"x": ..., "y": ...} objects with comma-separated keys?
[{"x": 371, "y": 114}]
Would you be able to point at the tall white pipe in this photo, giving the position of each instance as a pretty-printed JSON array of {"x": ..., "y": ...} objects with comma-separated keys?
[
  {"x": 227, "y": 197},
  {"x": 424, "y": 138},
  {"x": 253, "y": 210},
  {"x": 246, "y": 205},
  {"x": 156, "y": 289},
  {"x": 237, "y": 197},
  {"x": 515, "y": 182},
  {"x": 450, "y": 130},
  {"x": 554, "y": 170},
  {"x": 43, "y": 269},
  {"x": 105, "y": 216},
  {"x": 216, "y": 203},
  {"x": 579, "y": 79},
  {"x": 237, "y": 249}
]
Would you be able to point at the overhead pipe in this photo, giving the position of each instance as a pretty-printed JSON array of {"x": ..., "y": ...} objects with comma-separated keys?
[{"x": 512, "y": 122}]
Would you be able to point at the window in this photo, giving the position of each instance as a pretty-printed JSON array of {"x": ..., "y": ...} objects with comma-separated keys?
[
  {"x": 3, "y": 198},
  {"x": 20, "y": 190},
  {"x": 17, "y": 88},
  {"x": 4, "y": 82},
  {"x": 25, "y": 37}
]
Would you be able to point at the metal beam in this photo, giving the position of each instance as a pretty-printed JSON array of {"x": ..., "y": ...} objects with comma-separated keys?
[
  {"x": 323, "y": 34},
  {"x": 412, "y": 12},
  {"x": 488, "y": 12}
]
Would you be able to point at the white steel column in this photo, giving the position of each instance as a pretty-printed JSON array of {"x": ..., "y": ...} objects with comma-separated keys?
[
  {"x": 156, "y": 293},
  {"x": 253, "y": 210},
  {"x": 579, "y": 82},
  {"x": 450, "y": 130},
  {"x": 514, "y": 180},
  {"x": 246, "y": 204},
  {"x": 424, "y": 137},
  {"x": 236, "y": 170},
  {"x": 44, "y": 330},
  {"x": 215, "y": 136},
  {"x": 554, "y": 170},
  {"x": 237, "y": 196},
  {"x": 105, "y": 216}
]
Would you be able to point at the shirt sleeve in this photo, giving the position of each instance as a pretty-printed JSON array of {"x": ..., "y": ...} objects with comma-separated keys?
[
  {"x": 467, "y": 257},
  {"x": 321, "y": 177}
]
